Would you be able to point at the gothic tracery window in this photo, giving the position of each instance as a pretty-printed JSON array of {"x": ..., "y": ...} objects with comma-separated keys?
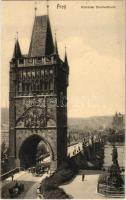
[{"x": 51, "y": 80}]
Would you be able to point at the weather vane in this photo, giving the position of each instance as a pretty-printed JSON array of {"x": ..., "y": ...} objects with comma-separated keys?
[
  {"x": 35, "y": 8},
  {"x": 17, "y": 35},
  {"x": 47, "y": 7}
]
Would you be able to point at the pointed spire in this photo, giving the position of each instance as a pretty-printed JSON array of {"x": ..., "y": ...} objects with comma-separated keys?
[
  {"x": 17, "y": 50},
  {"x": 35, "y": 10},
  {"x": 56, "y": 48},
  {"x": 65, "y": 59},
  {"x": 41, "y": 40}
]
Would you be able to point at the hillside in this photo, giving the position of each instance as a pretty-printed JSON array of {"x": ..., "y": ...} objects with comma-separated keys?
[
  {"x": 95, "y": 122},
  {"x": 75, "y": 123}
]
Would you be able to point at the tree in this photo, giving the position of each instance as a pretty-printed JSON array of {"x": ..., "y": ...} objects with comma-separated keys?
[{"x": 4, "y": 157}]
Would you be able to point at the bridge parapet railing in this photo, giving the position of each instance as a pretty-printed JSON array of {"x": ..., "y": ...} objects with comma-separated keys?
[
  {"x": 107, "y": 168},
  {"x": 25, "y": 62},
  {"x": 9, "y": 173}
]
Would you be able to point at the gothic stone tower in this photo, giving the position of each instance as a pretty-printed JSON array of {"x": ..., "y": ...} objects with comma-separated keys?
[{"x": 38, "y": 99}]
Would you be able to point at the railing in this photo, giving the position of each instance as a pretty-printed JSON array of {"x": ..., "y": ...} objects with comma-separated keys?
[
  {"x": 110, "y": 191},
  {"x": 24, "y": 62},
  {"x": 13, "y": 171},
  {"x": 69, "y": 145},
  {"x": 107, "y": 168}
]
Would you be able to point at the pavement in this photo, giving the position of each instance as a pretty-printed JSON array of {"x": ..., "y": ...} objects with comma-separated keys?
[
  {"x": 32, "y": 191},
  {"x": 77, "y": 188},
  {"x": 86, "y": 189},
  {"x": 30, "y": 184},
  {"x": 16, "y": 177}
]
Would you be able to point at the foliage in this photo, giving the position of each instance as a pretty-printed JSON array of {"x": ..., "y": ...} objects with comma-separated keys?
[
  {"x": 49, "y": 186},
  {"x": 57, "y": 193},
  {"x": 4, "y": 158}
]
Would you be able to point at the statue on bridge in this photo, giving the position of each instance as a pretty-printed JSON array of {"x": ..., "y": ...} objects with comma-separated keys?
[
  {"x": 115, "y": 156},
  {"x": 115, "y": 176}
]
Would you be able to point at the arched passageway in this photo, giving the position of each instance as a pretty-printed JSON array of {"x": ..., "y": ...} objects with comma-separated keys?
[{"x": 31, "y": 148}]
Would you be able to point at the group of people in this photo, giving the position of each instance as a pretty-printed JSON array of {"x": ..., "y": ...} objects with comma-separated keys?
[
  {"x": 39, "y": 169},
  {"x": 16, "y": 189}
]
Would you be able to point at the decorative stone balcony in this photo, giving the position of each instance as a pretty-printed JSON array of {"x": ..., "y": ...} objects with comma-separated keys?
[{"x": 29, "y": 62}]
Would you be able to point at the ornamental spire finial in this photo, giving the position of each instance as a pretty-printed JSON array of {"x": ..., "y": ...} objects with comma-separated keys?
[
  {"x": 35, "y": 8},
  {"x": 47, "y": 6},
  {"x": 65, "y": 60},
  {"x": 56, "y": 48},
  {"x": 17, "y": 50},
  {"x": 17, "y": 35}
]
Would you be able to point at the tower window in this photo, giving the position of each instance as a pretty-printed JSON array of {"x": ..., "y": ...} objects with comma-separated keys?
[
  {"x": 30, "y": 60},
  {"x": 51, "y": 80},
  {"x": 21, "y": 61}
]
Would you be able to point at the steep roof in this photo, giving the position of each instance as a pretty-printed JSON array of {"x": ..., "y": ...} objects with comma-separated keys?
[
  {"x": 56, "y": 48},
  {"x": 65, "y": 59},
  {"x": 17, "y": 50},
  {"x": 41, "y": 40}
]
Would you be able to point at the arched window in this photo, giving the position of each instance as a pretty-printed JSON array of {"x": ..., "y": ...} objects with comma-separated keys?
[{"x": 51, "y": 84}]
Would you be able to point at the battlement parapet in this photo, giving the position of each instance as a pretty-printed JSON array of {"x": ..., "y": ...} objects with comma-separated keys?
[{"x": 32, "y": 62}]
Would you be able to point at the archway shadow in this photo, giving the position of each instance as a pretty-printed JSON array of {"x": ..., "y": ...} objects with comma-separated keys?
[{"x": 28, "y": 151}]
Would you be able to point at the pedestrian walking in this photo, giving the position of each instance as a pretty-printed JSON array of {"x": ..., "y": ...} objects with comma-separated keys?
[
  {"x": 12, "y": 176},
  {"x": 83, "y": 175}
]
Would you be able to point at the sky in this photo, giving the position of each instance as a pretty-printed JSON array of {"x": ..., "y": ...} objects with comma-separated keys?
[{"x": 94, "y": 39}]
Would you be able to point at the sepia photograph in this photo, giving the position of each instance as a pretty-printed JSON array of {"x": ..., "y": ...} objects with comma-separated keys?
[{"x": 62, "y": 99}]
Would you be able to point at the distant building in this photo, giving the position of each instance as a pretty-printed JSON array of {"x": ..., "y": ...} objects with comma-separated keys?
[{"x": 118, "y": 121}]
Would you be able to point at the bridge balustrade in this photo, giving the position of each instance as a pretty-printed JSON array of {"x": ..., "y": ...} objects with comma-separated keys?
[{"x": 8, "y": 174}]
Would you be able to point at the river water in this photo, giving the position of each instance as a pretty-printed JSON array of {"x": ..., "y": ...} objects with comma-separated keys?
[{"x": 121, "y": 154}]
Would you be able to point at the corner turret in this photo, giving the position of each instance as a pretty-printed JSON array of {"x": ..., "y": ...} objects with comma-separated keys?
[{"x": 17, "y": 50}]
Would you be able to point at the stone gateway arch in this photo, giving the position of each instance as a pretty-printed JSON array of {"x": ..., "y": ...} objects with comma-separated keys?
[{"x": 38, "y": 98}]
